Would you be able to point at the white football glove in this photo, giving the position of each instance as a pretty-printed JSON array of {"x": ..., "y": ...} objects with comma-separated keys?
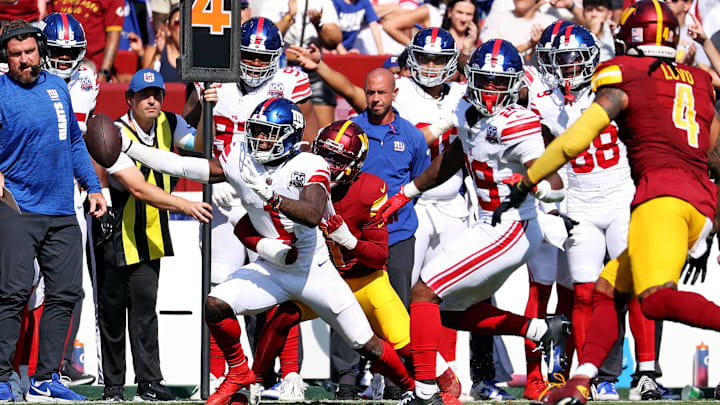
[
  {"x": 223, "y": 194},
  {"x": 126, "y": 142},
  {"x": 340, "y": 233},
  {"x": 260, "y": 187}
]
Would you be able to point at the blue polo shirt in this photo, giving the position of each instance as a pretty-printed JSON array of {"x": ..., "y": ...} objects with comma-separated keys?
[{"x": 398, "y": 153}]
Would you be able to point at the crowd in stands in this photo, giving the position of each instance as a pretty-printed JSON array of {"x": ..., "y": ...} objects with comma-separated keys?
[{"x": 145, "y": 35}]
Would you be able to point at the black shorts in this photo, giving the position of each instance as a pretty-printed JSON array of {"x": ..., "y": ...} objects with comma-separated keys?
[{"x": 322, "y": 94}]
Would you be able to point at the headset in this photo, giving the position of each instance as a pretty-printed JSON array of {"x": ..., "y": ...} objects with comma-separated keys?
[{"x": 35, "y": 33}]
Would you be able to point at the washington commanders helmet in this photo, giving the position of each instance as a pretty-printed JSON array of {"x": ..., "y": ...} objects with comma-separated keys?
[
  {"x": 495, "y": 75},
  {"x": 260, "y": 40},
  {"x": 543, "y": 48},
  {"x": 648, "y": 28},
  {"x": 574, "y": 55},
  {"x": 436, "y": 46},
  {"x": 273, "y": 128},
  {"x": 66, "y": 44},
  {"x": 344, "y": 145}
]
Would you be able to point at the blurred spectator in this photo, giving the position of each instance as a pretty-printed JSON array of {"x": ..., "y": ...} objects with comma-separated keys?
[
  {"x": 162, "y": 56},
  {"x": 137, "y": 26},
  {"x": 598, "y": 20},
  {"x": 161, "y": 12},
  {"x": 320, "y": 26},
  {"x": 31, "y": 11},
  {"x": 687, "y": 52},
  {"x": 523, "y": 25},
  {"x": 103, "y": 22},
  {"x": 399, "y": 26},
  {"x": 461, "y": 18},
  {"x": 246, "y": 12},
  {"x": 695, "y": 31},
  {"x": 352, "y": 15}
]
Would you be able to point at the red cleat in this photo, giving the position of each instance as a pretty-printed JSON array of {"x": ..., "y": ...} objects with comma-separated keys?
[
  {"x": 449, "y": 399},
  {"x": 234, "y": 381},
  {"x": 534, "y": 388},
  {"x": 449, "y": 383},
  {"x": 574, "y": 392}
]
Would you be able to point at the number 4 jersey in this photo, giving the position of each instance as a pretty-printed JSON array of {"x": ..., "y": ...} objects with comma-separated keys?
[
  {"x": 599, "y": 177},
  {"x": 666, "y": 127}
]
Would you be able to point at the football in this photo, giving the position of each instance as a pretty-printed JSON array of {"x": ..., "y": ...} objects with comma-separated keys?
[{"x": 103, "y": 139}]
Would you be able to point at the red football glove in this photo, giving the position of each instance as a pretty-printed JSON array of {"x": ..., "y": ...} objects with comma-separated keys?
[
  {"x": 393, "y": 204},
  {"x": 339, "y": 232},
  {"x": 333, "y": 223}
]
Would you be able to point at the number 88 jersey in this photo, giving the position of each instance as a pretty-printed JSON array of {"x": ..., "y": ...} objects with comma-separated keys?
[{"x": 600, "y": 175}]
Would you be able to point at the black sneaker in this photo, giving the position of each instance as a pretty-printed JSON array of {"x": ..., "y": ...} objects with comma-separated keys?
[
  {"x": 346, "y": 392},
  {"x": 393, "y": 392},
  {"x": 113, "y": 393},
  {"x": 73, "y": 377},
  {"x": 409, "y": 398},
  {"x": 153, "y": 391}
]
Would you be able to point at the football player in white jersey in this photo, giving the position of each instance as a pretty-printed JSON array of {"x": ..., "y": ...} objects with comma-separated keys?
[
  {"x": 495, "y": 137},
  {"x": 285, "y": 193},
  {"x": 599, "y": 190}
]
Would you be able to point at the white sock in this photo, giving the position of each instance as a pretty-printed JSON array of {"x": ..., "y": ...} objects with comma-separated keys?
[
  {"x": 440, "y": 365},
  {"x": 646, "y": 365},
  {"x": 536, "y": 329},
  {"x": 425, "y": 391},
  {"x": 586, "y": 369}
]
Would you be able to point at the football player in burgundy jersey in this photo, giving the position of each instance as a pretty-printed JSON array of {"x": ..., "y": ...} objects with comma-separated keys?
[{"x": 665, "y": 115}]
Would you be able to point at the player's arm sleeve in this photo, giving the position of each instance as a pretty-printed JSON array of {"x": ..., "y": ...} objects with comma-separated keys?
[
  {"x": 113, "y": 17},
  {"x": 192, "y": 168},
  {"x": 184, "y": 135},
  {"x": 83, "y": 169},
  {"x": 571, "y": 143}
]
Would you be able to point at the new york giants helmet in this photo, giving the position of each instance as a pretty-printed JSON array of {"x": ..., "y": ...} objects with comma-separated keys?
[
  {"x": 66, "y": 44},
  {"x": 273, "y": 128},
  {"x": 344, "y": 145},
  {"x": 648, "y": 28},
  {"x": 432, "y": 57},
  {"x": 260, "y": 49},
  {"x": 574, "y": 56},
  {"x": 495, "y": 75},
  {"x": 543, "y": 48}
]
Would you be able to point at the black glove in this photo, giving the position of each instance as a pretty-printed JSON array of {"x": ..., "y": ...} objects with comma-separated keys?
[
  {"x": 697, "y": 267},
  {"x": 518, "y": 192},
  {"x": 569, "y": 222},
  {"x": 106, "y": 222}
]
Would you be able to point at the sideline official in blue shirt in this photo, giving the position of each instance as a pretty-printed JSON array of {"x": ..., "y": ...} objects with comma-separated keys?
[{"x": 398, "y": 152}]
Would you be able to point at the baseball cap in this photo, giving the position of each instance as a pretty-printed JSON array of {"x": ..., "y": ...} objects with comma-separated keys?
[
  {"x": 391, "y": 62},
  {"x": 145, "y": 78}
]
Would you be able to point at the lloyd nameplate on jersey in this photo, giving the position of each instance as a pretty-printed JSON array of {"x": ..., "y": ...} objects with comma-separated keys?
[{"x": 210, "y": 41}]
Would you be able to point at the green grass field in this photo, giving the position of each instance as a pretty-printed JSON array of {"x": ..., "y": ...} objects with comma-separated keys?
[{"x": 318, "y": 395}]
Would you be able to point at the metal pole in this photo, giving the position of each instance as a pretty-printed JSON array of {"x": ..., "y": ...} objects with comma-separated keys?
[
  {"x": 206, "y": 255},
  {"x": 302, "y": 30}
]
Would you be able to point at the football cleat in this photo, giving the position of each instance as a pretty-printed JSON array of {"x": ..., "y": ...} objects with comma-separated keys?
[
  {"x": 604, "y": 391},
  {"x": 346, "y": 392},
  {"x": 555, "y": 336},
  {"x": 534, "y": 388},
  {"x": 153, "y": 391},
  {"x": 292, "y": 388},
  {"x": 644, "y": 388},
  {"x": 409, "y": 398},
  {"x": 488, "y": 390},
  {"x": 556, "y": 364},
  {"x": 574, "y": 392},
  {"x": 237, "y": 377},
  {"x": 6, "y": 394},
  {"x": 449, "y": 383},
  {"x": 51, "y": 390}
]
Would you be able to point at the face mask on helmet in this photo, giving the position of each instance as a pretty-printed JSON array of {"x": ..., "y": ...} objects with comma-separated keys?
[
  {"x": 494, "y": 74},
  {"x": 543, "y": 49},
  {"x": 574, "y": 57},
  {"x": 260, "y": 51},
  {"x": 273, "y": 129},
  {"x": 432, "y": 57},
  {"x": 343, "y": 145},
  {"x": 66, "y": 44}
]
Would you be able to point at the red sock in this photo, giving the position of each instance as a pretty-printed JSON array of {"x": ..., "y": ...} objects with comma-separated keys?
[
  {"x": 217, "y": 359},
  {"x": 582, "y": 312},
  {"x": 405, "y": 352},
  {"x": 272, "y": 338},
  {"x": 486, "y": 319},
  {"x": 289, "y": 355},
  {"x": 682, "y": 306},
  {"x": 643, "y": 330},
  {"x": 565, "y": 304},
  {"x": 390, "y": 365},
  {"x": 227, "y": 336},
  {"x": 448, "y": 343},
  {"x": 602, "y": 336},
  {"x": 536, "y": 307},
  {"x": 425, "y": 335}
]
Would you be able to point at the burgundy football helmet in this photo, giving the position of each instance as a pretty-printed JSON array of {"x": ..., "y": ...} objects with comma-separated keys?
[
  {"x": 344, "y": 145},
  {"x": 648, "y": 28}
]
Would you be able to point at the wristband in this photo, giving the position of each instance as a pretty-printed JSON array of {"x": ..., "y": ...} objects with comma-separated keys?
[
  {"x": 106, "y": 73},
  {"x": 440, "y": 126},
  {"x": 411, "y": 191},
  {"x": 572, "y": 7},
  {"x": 106, "y": 194},
  {"x": 275, "y": 201}
]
